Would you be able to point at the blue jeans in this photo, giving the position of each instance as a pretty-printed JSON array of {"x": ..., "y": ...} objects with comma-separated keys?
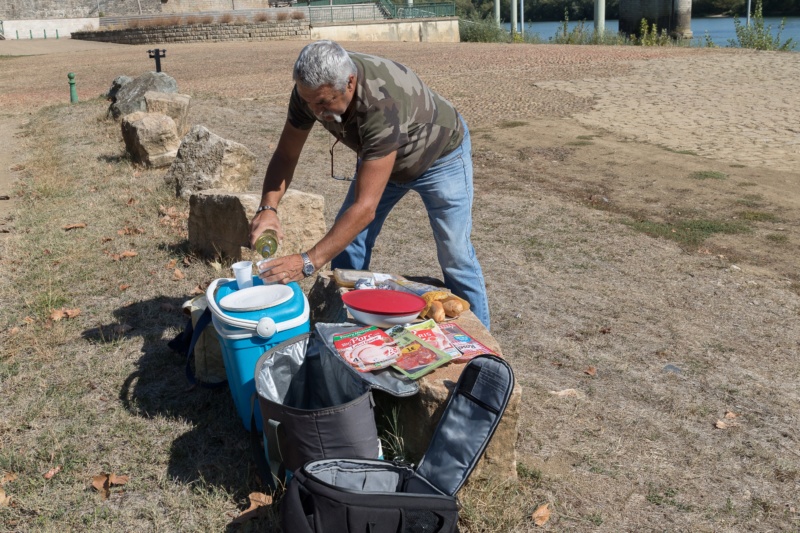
[{"x": 446, "y": 191}]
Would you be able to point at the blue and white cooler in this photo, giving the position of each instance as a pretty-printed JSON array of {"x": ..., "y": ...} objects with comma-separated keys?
[{"x": 249, "y": 322}]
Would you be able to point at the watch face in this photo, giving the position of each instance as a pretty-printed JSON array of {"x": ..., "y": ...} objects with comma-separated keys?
[{"x": 308, "y": 269}]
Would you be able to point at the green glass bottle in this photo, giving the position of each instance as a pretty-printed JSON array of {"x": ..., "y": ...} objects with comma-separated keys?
[{"x": 267, "y": 244}]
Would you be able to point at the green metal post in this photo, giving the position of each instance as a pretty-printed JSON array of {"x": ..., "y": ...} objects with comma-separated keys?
[
  {"x": 31, "y": 32},
  {"x": 45, "y": 34},
  {"x": 17, "y": 34},
  {"x": 56, "y": 34},
  {"x": 73, "y": 92}
]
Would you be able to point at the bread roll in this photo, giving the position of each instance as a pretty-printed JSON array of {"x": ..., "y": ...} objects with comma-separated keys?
[
  {"x": 452, "y": 307},
  {"x": 437, "y": 311}
]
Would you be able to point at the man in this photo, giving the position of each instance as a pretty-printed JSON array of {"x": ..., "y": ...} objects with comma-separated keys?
[{"x": 406, "y": 137}]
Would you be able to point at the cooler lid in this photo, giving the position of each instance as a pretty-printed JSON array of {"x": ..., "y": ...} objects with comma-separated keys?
[
  {"x": 383, "y": 302},
  {"x": 256, "y": 298}
]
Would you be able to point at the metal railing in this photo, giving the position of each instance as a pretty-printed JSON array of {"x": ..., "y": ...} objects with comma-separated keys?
[{"x": 382, "y": 9}]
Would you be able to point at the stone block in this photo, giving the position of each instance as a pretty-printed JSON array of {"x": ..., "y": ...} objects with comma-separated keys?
[
  {"x": 130, "y": 96},
  {"x": 150, "y": 138},
  {"x": 418, "y": 415},
  {"x": 207, "y": 161},
  {"x": 219, "y": 222},
  {"x": 174, "y": 105}
]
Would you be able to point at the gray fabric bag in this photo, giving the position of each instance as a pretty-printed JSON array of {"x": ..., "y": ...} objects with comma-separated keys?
[{"x": 315, "y": 406}]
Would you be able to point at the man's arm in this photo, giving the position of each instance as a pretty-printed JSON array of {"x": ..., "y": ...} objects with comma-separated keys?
[
  {"x": 370, "y": 183},
  {"x": 280, "y": 172}
]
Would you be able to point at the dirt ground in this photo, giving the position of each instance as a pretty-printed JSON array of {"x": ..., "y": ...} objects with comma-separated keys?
[{"x": 576, "y": 151}]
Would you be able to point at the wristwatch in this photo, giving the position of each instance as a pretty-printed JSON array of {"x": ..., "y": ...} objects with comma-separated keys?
[
  {"x": 266, "y": 208},
  {"x": 308, "y": 266}
]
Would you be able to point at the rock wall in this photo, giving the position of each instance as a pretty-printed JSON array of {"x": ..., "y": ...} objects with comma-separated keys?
[
  {"x": 55, "y": 9},
  {"x": 266, "y": 31}
]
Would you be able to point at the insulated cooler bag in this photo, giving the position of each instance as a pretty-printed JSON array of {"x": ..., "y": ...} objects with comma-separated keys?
[
  {"x": 313, "y": 405},
  {"x": 360, "y": 495}
]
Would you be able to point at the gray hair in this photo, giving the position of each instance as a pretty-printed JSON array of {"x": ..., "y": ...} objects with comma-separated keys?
[{"x": 323, "y": 63}]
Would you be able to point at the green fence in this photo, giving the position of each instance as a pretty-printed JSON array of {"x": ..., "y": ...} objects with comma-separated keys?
[{"x": 377, "y": 11}]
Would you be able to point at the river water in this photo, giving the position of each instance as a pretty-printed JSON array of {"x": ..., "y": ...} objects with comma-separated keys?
[{"x": 719, "y": 29}]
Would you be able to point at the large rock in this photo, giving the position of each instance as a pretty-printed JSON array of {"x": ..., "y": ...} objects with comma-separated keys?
[
  {"x": 207, "y": 161},
  {"x": 150, "y": 138},
  {"x": 219, "y": 222},
  {"x": 118, "y": 83},
  {"x": 418, "y": 415},
  {"x": 129, "y": 98},
  {"x": 174, "y": 105}
]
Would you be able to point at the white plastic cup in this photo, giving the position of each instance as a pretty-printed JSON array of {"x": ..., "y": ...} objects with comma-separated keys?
[{"x": 243, "y": 271}]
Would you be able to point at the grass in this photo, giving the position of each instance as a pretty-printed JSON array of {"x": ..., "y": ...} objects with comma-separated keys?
[
  {"x": 757, "y": 216},
  {"x": 687, "y": 232},
  {"x": 507, "y": 124},
  {"x": 708, "y": 175}
]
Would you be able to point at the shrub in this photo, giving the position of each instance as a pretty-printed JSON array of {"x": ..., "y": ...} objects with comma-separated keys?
[
  {"x": 282, "y": 16},
  {"x": 261, "y": 17},
  {"x": 206, "y": 19},
  {"x": 240, "y": 20},
  {"x": 757, "y": 36},
  {"x": 298, "y": 15},
  {"x": 225, "y": 18},
  {"x": 477, "y": 30},
  {"x": 192, "y": 20}
]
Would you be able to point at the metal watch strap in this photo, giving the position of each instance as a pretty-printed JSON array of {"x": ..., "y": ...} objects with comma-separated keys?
[
  {"x": 308, "y": 266},
  {"x": 266, "y": 208}
]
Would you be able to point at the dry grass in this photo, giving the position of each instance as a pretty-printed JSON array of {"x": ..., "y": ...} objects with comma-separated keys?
[
  {"x": 225, "y": 18},
  {"x": 282, "y": 16},
  {"x": 261, "y": 17},
  {"x": 298, "y": 15}
]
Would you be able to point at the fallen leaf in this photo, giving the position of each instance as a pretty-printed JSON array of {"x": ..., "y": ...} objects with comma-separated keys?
[
  {"x": 730, "y": 414},
  {"x": 556, "y": 363},
  {"x": 216, "y": 265},
  {"x": 29, "y": 319},
  {"x": 58, "y": 314},
  {"x": 101, "y": 484},
  {"x": 128, "y": 253},
  {"x": 721, "y": 425},
  {"x": 605, "y": 330},
  {"x": 198, "y": 290},
  {"x": 132, "y": 201},
  {"x": 5, "y": 499},
  {"x": 129, "y": 231},
  {"x": 541, "y": 515},
  {"x": 177, "y": 275},
  {"x": 172, "y": 263},
  {"x": 14, "y": 330},
  {"x": 124, "y": 286},
  {"x": 592, "y": 371},
  {"x": 106, "y": 239},
  {"x": 566, "y": 393},
  {"x": 117, "y": 480},
  {"x": 79, "y": 225},
  {"x": 187, "y": 261},
  {"x": 8, "y": 477},
  {"x": 52, "y": 472},
  {"x": 258, "y": 507}
]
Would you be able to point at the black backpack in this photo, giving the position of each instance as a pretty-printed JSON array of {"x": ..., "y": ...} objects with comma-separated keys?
[{"x": 373, "y": 496}]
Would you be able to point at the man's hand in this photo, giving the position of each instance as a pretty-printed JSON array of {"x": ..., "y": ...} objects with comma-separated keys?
[
  {"x": 282, "y": 269},
  {"x": 263, "y": 221}
]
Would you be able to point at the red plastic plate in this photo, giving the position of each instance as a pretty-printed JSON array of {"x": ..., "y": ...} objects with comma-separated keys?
[{"x": 383, "y": 302}]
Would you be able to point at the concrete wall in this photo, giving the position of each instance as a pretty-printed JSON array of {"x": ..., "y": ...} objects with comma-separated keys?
[
  {"x": 47, "y": 28},
  {"x": 420, "y": 30},
  {"x": 193, "y": 6}
]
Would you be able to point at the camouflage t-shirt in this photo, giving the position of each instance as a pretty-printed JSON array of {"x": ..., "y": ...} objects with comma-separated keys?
[{"x": 394, "y": 110}]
